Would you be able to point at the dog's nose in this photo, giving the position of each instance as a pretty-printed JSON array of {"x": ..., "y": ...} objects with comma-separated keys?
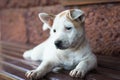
[{"x": 58, "y": 43}]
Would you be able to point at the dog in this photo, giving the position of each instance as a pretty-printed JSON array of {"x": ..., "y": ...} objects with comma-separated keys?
[{"x": 66, "y": 48}]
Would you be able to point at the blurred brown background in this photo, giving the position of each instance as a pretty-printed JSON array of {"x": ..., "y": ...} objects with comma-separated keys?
[{"x": 19, "y": 22}]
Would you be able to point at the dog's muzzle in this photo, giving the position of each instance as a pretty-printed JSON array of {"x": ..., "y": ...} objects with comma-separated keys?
[{"x": 59, "y": 44}]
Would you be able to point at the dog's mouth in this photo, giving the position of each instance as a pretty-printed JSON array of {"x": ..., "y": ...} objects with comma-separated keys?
[{"x": 60, "y": 45}]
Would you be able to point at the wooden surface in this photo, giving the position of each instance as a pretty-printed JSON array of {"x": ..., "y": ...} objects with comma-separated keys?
[
  {"x": 13, "y": 66},
  {"x": 85, "y": 2}
]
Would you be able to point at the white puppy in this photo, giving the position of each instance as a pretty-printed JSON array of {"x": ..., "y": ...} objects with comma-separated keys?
[{"x": 66, "y": 47}]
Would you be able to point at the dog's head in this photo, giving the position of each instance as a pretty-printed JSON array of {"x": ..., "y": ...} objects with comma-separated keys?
[{"x": 67, "y": 28}]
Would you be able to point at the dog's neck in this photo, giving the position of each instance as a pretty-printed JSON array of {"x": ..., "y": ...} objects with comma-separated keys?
[
  {"x": 81, "y": 44},
  {"x": 81, "y": 41}
]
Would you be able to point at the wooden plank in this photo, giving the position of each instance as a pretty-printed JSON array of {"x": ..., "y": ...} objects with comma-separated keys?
[
  {"x": 14, "y": 64},
  {"x": 13, "y": 69},
  {"x": 98, "y": 77},
  {"x": 109, "y": 62},
  {"x": 85, "y": 2},
  {"x": 12, "y": 53},
  {"x": 11, "y": 44},
  {"x": 13, "y": 48},
  {"x": 64, "y": 75},
  {"x": 7, "y": 76},
  {"x": 109, "y": 58},
  {"x": 109, "y": 72},
  {"x": 20, "y": 48},
  {"x": 20, "y": 62}
]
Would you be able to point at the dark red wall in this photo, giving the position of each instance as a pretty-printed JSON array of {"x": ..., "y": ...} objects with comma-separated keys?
[{"x": 19, "y": 23}]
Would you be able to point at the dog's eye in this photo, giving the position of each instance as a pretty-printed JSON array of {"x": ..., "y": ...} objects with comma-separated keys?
[
  {"x": 68, "y": 28},
  {"x": 54, "y": 30}
]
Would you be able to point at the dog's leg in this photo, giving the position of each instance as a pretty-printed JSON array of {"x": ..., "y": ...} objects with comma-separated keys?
[
  {"x": 35, "y": 53},
  {"x": 44, "y": 67},
  {"x": 80, "y": 70},
  {"x": 83, "y": 67},
  {"x": 27, "y": 54}
]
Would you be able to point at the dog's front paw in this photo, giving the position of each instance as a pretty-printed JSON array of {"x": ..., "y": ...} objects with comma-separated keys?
[
  {"x": 33, "y": 74},
  {"x": 77, "y": 73}
]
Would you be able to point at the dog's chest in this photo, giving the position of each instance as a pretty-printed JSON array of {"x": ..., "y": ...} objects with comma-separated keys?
[{"x": 69, "y": 61}]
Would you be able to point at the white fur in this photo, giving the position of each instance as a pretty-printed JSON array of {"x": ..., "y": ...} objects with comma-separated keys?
[
  {"x": 45, "y": 27},
  {"x": 76, "y": 56}
]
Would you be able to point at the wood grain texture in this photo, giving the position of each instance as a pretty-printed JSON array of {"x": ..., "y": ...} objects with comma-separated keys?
[{"x": 13, "y": 66}]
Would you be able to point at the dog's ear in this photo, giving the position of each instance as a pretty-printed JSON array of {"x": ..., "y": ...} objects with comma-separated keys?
[
  {"x": 77, "y": 14},
  {"x": 46, "y": 19}
]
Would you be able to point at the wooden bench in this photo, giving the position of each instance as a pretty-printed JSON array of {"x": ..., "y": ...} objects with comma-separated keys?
[{"x": 13, "y": 66}]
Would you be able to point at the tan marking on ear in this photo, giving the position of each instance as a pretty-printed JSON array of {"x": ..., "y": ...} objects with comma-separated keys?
[
  {"x": 76, "y": 22},
  {"x": 52, "y": 16},
  {"x": 50, "y": 22}
]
